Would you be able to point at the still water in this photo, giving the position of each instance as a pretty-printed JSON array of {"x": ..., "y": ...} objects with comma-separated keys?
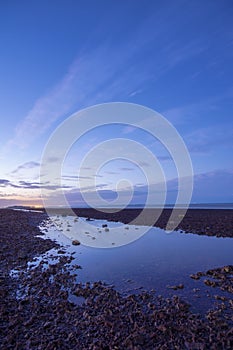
[{"x": 134, "y": 258}]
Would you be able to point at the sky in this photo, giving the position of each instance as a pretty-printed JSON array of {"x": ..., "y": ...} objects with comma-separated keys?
[{"x": 59, "y": 57}]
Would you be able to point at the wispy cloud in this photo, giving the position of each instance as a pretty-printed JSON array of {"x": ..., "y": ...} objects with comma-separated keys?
[
  {"x": 4, "y": 182},
  {"x": 128, "y": 129},
  {"x": 143, "y": 164},
  {"x": 27, "y": 165},
  {"x": 31, "y": 185},
  {"x": 47, "y": 109},
  {"x": 104, "y": 74},
  {"x": 164, "y": 158},
  {"x": 111, "y": 172},
  {"x": 201, "y": 140},
  {"x": 187, "y": 113},
  {"x": 88, "y": 188},
  {"x": 75, "y": 177},
  {"x": 135, "y": 92},
  {"x": 126, "y": 169}
]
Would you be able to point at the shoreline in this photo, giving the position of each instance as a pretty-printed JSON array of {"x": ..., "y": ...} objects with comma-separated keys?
[
  {"x": 210, "y": 222},
  {"x": 44, "y": 318}
]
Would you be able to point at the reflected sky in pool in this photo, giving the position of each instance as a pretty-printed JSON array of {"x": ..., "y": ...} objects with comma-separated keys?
[{"x": 154, "y": 261}]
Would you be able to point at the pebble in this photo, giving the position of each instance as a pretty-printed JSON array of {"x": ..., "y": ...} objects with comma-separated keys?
[{"x": 75, "y": 242}]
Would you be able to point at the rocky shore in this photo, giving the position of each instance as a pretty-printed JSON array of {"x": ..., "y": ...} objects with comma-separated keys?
[
  {"x": 210, "y": 222},
  {"x": 37, "y": 311}
]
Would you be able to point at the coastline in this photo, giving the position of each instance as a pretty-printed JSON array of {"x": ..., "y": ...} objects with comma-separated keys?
[
  {"x": 45, "y": 318},
  {"x": 210, "y": 222}
]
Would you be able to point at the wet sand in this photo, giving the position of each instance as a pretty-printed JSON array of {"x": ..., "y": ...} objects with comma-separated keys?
[{"x": 42, "y": 317}]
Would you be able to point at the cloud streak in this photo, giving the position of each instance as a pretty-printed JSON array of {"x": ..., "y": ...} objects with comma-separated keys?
[
  {"x": 27, "y": 165},
  {"x": 31, "y": 185},
  {"x": 201, "y": 141},
  {"x": 102, "y": 75},
  {"x": 4, "y": 182}
]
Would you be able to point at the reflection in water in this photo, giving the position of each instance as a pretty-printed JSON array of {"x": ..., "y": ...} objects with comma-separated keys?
[{"x": 154, "y": 260}]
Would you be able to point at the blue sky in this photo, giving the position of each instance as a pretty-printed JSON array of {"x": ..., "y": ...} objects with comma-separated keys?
[{"x": 58, "y": 57}]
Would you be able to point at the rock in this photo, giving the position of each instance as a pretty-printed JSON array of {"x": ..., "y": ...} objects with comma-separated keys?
[
  {"x": 179, "y": 286},
  {"x": 76, "y": 266},
  {"x": 227, "y": 269},
  {"x": 210, "y": 283},
  {"x": 76, "y": 242},
  {"x": 61, "y": 251},
  {"x": 195, "y": 276},
  {"x": 220, "y": 297}
]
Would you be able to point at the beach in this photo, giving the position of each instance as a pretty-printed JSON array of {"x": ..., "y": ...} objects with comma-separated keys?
[
  {"x": 43, "y": 306},
  {"x": 210, "y": 222}
]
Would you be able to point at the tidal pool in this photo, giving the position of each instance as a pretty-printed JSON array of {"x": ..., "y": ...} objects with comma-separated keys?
[{"x": 133, "y": 260}]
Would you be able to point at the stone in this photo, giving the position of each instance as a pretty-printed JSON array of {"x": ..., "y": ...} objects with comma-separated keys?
[{"x": 76, "y": 242}]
